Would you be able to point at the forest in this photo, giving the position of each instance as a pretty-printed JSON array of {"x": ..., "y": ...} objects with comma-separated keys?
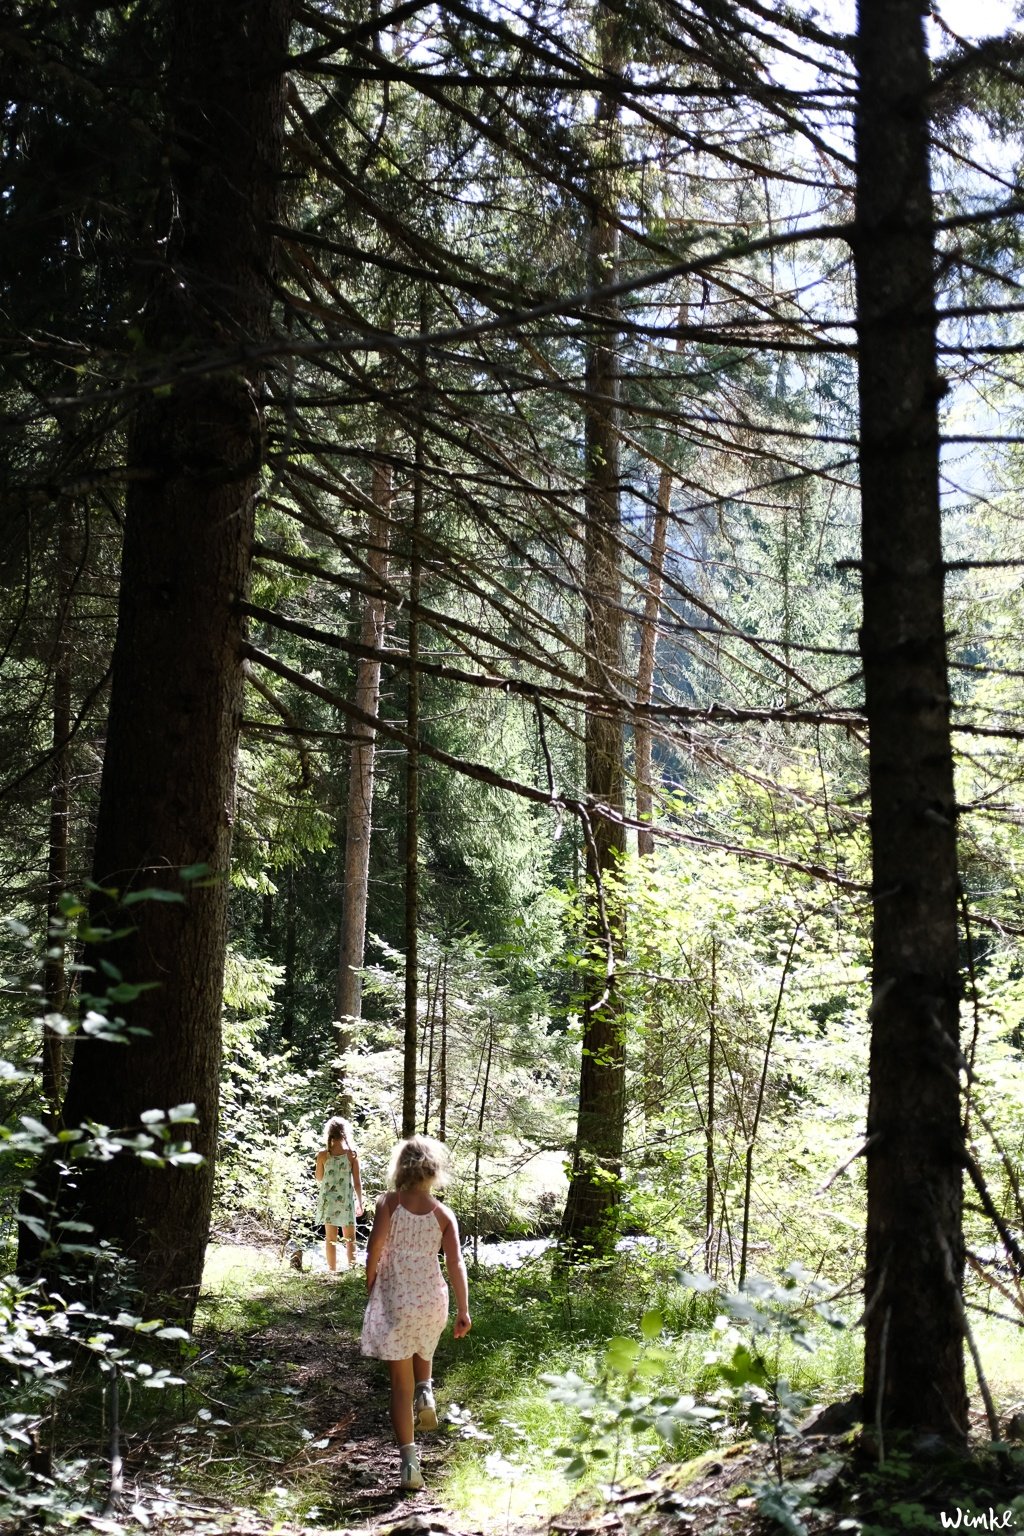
[{"x": 511, "y": 631}]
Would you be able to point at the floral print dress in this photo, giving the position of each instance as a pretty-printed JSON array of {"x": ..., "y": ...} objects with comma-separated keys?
[
  {"x": 408, "y": 1306},
  {"x": 336, "y": 1201}
]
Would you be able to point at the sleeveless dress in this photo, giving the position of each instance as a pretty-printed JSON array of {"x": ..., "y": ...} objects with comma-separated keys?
[
  {"x": 408, "y": 1306},
  {"x": 336, "y": 1200}
]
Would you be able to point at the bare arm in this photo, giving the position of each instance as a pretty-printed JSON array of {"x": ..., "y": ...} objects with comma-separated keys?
[
  {"x": 321, "y": 1159},
  {"x": 357, "y": 1182},
  {"x": 378, "y": 1237},
  {"x": 456, "y": 1267}
]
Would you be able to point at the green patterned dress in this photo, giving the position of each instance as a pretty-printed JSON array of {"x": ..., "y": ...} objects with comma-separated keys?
[{"x": 336, "y": 1202}]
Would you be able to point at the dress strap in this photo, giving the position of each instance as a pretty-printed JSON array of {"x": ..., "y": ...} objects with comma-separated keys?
[{"x": 438, "y": 1211}]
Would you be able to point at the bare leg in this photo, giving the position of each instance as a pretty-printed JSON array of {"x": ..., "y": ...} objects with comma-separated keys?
[
  {"x": 331, "y": 1247},
  {"x": 421, "y": 1368},
  {"x": 401, "y": 1400},
  {"x": 423, "y": 1405},
  {"x": 349, "y": 1234}
]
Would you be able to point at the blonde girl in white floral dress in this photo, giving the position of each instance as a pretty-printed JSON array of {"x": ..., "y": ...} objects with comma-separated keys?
[
  {"x": 408, "y": 1299},
  {"x": 340, "y": 1199}
]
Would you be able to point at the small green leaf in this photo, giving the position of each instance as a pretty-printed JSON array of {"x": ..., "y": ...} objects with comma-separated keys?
[
  {"x": 194, "y": 871},
  {"x": 128, "y": 991},
  {"x": 621, "y": 1354},
  {"x": 34, "y": 1225},
  {"x": 152, "y": 893},
  {"x": 36, "y": 1127},
  {"x": 651, "y": 1324}
]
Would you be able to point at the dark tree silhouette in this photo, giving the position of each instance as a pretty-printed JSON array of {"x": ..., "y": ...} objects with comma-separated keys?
[
  {"x": 914, "y": 1373},
  {"x": 195, "y": 452},
  {"x": 597, "y": 1155}
]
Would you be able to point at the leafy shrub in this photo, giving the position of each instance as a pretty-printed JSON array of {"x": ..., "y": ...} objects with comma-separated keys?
[{"x": 78, "y": 1319}]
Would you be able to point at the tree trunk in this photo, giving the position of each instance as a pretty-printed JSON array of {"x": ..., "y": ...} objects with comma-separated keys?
[
  {"x": 168, "y": 776},
  {"x": 643, "y": 754},
  {"x": 291, "y": 938},
  {"x": 442, "y": 1070},
  {"x": 643, "y": 740},
  {"x": 709, "y": 1123},
  {"x": 55, "y": 973},
  {"x": 429, "y": 1044},
  {"x": 359, "y": 811},
  {"x": 412, "y": 792},
  {"x": 597, "y": 1158},
  {"x": 914, "y": 1372},
  {"x": 481, "y": 1122}
]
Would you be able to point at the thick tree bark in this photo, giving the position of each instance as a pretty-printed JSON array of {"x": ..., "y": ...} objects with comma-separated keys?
[
  {"x": 914, "y": 1373},
  {"x": 597, "y": 1158},
  {"x": 168, "y": 776},
  {"x": 359, "y": 810}
]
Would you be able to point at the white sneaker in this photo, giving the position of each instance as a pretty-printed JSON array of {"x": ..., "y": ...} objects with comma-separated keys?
[
  {"x": 412, "y": 1477},
  {"x": 423, "y": 1406}
]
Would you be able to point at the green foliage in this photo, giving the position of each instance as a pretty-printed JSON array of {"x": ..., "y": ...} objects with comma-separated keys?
[
  {"x": 744, "y": 974},
  {"x": 636, "y": 1390},
  {"x": 480, "y": 1011},
  {"x": 56, "y": 1332},
  {"x": 547, "y": 1343},
  {"x": 948, "y": 1489},
  {"x": 78, "y": 1320},
  {"x": 272, "y": 1108},
  {"x": 740, "y": 971},
  {"x": 630, "y": 1396},
  {"x": 752, "y": 1326}
]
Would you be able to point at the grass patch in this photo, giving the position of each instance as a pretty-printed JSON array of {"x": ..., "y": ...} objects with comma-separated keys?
[
  {"x": 243, "y": 1435},
  {"x": 533, "y": 1322},
  {"x": 242, "y": 1427},
  {"x": 1001, "y": 1346}
]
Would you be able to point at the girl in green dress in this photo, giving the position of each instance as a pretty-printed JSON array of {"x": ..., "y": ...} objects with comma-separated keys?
[{"x": 340, "y": 1199}]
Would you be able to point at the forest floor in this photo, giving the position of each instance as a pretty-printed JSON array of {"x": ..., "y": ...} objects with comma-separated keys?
[
  {"x": 288, "y": 1435},
  {"x": 296, "y": 1412}
]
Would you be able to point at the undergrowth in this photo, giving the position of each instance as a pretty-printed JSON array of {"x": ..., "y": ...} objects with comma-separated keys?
[
  {"x": 518, "y": 1437},
  {"x": 537, "y": 1405},
  {"x": 506, "y": 1441}
]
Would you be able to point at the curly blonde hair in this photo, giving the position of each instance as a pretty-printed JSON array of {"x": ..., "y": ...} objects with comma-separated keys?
[{"x": 419, "y": 1160}]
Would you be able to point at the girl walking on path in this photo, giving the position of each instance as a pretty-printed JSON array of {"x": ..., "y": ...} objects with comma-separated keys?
[
  {"x": 408, "y": 1299},
  {"x": 340, "y": 1199}
]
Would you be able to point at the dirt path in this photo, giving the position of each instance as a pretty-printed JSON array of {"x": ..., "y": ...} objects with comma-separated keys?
[
  {"x": 343, "y": 1401},
  {"x": 345, "y": 1471},
  {"x": 348, "y": 1463}
]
